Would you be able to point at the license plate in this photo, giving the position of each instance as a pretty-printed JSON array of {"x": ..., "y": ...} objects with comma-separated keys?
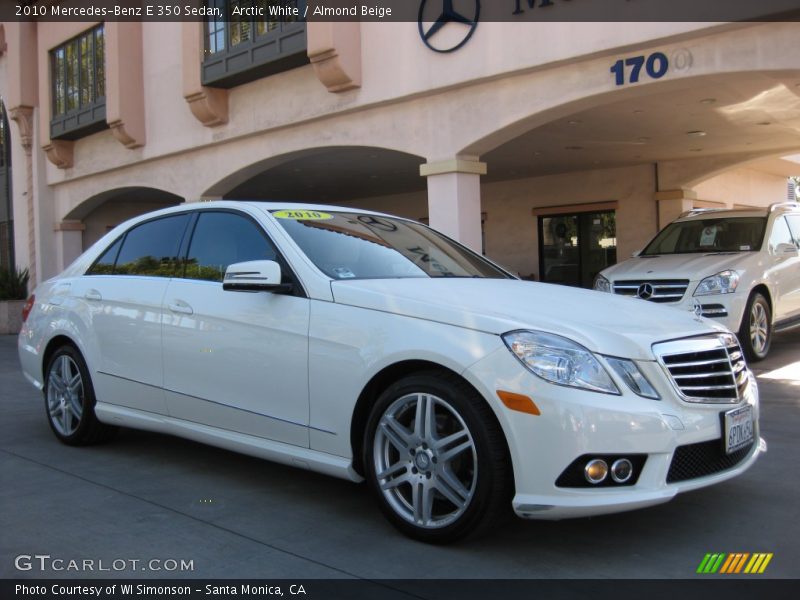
[{"x": 738, "y": 428}]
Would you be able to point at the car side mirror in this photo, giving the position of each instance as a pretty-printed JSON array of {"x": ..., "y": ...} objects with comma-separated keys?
[
  {"x": 785, "y": 249},
  {"x": 255, "y": 276}
]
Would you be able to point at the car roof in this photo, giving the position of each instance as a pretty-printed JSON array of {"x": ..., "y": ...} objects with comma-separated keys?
[
  {"x": 267, "y": 206},
  {"x": 713, "y": 213},
  {"x": 725, "y": 214}
]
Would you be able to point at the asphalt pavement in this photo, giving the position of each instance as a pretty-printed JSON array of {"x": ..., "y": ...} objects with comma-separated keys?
[{"x": 146, "y": 497}]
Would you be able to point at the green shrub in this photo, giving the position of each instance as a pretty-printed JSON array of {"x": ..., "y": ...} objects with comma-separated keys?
[{"x": 13, "y": 284}]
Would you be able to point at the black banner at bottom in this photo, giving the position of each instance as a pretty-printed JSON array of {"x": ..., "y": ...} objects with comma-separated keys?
[{"x": 390, "y": 589}]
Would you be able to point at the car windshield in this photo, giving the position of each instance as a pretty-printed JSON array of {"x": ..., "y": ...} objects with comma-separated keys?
[
  {"x": 346, "y": 245},
  {"x": 734, "y": 234}
]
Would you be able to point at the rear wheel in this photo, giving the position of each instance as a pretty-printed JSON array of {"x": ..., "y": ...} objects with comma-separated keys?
[
  {"x": 69, "y": 400},
  {"x": 755, "y": 332},
  {"x": 436, "y": 458}
]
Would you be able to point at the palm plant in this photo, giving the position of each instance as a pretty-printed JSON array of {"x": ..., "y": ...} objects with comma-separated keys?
[{"x": 13, "y": 283}]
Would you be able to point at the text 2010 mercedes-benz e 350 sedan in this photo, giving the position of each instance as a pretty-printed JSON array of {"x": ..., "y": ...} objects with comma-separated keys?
[{"x": 368, "y": 346}]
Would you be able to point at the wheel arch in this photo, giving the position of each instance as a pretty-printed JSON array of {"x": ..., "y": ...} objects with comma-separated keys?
[
  {"x": 56, "y": 342},
  {"x": 763, "y": 289},
  {"x": 375, "y": 387}
]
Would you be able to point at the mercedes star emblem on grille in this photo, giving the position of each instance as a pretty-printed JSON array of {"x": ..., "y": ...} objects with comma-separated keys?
[{"x": 645, "y": 291}]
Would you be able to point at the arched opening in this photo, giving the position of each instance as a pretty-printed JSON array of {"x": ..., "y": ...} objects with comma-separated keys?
[
  {"x": 7, "y": 259},
  {"x": 368, "y": 177},
  {"x": 587, "y": 183},
  {"x": 101, "y": 213},
  {"x": 754, "y": 114}
]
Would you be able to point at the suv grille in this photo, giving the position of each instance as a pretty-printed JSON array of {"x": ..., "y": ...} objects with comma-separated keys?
[
  {"x": 702, "y": 459},
  {"x": 706, "y": 369},
  {"x": 657, "y": 290}
]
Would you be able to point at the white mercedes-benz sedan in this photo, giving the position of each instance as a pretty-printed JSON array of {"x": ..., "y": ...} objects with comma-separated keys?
[{"x": 371, "y": 347}]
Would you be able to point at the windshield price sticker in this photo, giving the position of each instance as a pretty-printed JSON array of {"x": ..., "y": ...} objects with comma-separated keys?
[
  {"x": 302, "y": 215},
  {"x": 738, "y": 428},
  {"x": 709, "y": 236}
]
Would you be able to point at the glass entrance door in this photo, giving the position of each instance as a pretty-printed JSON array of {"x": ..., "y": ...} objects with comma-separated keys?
[{"x": 574, "y": 248}]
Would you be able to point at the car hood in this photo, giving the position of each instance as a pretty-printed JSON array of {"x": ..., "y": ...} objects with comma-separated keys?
[
  {"x": 601, "y": 322},
  {"x": 674, "y": 266}
]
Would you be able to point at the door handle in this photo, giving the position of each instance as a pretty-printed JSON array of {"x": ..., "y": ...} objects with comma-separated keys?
[
  {"x": 179, "y": 306},
  {"x": 93, "y": 295}
]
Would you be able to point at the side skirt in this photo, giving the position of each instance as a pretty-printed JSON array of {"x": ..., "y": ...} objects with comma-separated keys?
[
  {"x": 286, "y": 454},
  {"x": 787, "y": 324}
]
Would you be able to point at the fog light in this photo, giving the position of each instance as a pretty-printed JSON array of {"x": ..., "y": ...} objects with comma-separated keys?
[
  {"x": 596, "y": 471},
  {"x": 621, "y": 470}
]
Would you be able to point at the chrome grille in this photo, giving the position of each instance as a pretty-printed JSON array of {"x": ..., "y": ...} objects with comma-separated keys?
[
  {"x": 708, "y": 369},
  {"x": 660, "y": 290}
]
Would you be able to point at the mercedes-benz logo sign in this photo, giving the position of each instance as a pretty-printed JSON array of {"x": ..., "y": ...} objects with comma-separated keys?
[
  {"x": 645, "y": 291},
  {"x": 447, "y": 15}
]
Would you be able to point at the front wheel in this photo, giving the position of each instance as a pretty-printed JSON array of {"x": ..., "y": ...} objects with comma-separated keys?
[
  {"x": 755, "y": 332},
  {"x": 69, "y": 400},
  {"x": 436, "y": 458}
]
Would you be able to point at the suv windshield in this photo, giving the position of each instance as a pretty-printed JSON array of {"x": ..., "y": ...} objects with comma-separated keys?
[
  {"x": 358, "y": 246},
  {"x": 734, "y": 234}
]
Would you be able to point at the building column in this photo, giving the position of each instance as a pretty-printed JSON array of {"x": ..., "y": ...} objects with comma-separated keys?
[
  {"x": 671, "y": 203},
  {"x": 454, "y": 198},
  {"x": 23, "y": 117},
  {"x": 68, "y": 242}
]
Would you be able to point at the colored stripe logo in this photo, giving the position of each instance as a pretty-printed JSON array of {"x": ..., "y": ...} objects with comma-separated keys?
[{"x": 737, "y": 562}]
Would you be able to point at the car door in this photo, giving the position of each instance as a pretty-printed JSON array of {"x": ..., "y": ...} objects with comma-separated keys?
[
  {"x": 784, "y": 272},
  {"x": 123, "y": 292},
  {"x": 235, "y": 360},
  {"x": 793, "y": 288}
]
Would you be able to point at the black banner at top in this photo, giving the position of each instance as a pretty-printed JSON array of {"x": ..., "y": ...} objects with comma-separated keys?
[{"x": 466, "y": 11}]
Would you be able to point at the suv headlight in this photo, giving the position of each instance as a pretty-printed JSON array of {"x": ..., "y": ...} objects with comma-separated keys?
[
  {"x": 601, "y": 284},
  {"x": 724, "y": 282},
  {"x": 559, "y": 360}
]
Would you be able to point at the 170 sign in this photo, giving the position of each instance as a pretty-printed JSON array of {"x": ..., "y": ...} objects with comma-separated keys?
[{"x": 656, "y": 66}]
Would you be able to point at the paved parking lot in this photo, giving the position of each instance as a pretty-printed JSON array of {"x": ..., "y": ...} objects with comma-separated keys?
[{"x": 147, "y": 496}]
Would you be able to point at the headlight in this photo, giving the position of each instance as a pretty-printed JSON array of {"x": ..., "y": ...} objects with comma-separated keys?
[
  {"x": 721, "y": 283},
  {"x": 559, "y": 360},
  {"x": 633, "y": 377},
  {"x": 601, "y": 284}
]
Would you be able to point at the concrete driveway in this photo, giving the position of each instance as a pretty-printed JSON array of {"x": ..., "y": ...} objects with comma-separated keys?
[{"x": 147, "y": 496}]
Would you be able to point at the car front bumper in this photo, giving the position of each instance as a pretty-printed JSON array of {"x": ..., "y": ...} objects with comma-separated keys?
[
  {"x": 725, "y": 309},
  {"x": 574, "y": 423}
]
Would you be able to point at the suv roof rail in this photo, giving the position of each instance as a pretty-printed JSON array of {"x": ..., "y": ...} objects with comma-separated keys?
[
  {"x": 778, "y": 205},
  {"x": 697, "y": 211}
]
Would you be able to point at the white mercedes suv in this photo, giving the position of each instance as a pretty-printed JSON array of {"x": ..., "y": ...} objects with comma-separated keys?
[
  {"x": 371, "y": 347},
  {"x": 738, "y": 267}
]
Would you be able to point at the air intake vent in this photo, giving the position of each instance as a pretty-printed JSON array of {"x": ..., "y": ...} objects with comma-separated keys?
[
  {"x": 657, "y": 290},
  {"x": 706, "y": 369}
]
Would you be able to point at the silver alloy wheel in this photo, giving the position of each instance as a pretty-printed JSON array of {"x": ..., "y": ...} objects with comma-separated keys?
[
  {"x": 425, "y": 460},
  {"x": 759, "y": 327},
  {"x": 65, "y": 395}
]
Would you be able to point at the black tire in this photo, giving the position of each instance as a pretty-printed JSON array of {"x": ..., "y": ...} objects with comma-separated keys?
[
  {"x": 755, "y": 340},
  {"x": 70, "y": 408},
  {"x": 460, "y": 413}
]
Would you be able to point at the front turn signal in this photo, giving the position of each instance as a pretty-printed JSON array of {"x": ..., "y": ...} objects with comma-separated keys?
[{"x": 518, "y": 402}]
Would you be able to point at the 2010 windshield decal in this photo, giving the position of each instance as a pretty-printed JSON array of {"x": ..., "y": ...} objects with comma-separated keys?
[{"x": 302, "y": 215}]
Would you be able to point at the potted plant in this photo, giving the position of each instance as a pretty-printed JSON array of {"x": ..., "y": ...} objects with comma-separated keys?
[{"x": 13, "y": 292}]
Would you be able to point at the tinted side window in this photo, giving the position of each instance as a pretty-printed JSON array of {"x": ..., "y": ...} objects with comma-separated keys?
[
  {"x": 221, "y": 239},
  {"x": 152, "y": 248},
  {"x": 780, "y": 234},
  {"x": 105, "y": 264},
  {"x": 794, "y": 225}
]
